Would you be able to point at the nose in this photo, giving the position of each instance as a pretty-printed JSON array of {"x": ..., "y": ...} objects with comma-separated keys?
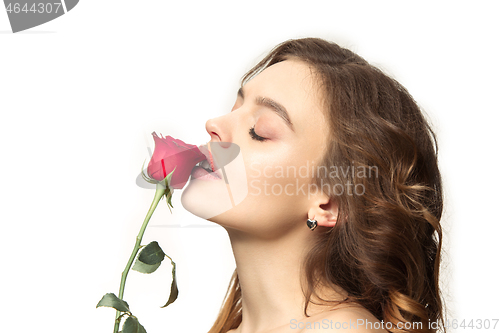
[
  {"x": 218, "y": 130},
  {"x": 213, "y": 129}
]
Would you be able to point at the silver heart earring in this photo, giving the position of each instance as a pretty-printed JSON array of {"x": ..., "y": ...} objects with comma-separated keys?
[{"x": 312, "y": 224}]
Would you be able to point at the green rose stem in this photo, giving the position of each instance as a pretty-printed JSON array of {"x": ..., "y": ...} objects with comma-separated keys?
[{"x": 161, "y": 190}]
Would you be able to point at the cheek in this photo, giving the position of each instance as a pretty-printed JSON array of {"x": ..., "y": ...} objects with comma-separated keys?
[
  {"x": 285, "y": 182},
  {"x": 277, "y": 195}
]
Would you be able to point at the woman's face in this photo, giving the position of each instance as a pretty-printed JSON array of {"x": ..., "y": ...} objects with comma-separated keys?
[{"x": 278, "y": 123}]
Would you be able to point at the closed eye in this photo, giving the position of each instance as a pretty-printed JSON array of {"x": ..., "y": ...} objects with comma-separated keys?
[{"x": 255, "y": 136}]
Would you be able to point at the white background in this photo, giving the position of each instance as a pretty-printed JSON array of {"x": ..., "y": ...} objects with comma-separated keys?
[{"x": 80, "y": 96}]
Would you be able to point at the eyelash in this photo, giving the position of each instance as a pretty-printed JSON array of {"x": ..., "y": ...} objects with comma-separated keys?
[{"x": 255, "y": 136}]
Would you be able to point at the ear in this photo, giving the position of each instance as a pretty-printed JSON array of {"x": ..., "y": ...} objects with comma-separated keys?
[{"x": 324, "y": 210}]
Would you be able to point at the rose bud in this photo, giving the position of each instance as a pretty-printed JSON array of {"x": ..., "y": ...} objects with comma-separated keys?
[{"x": 170, "y": 154}]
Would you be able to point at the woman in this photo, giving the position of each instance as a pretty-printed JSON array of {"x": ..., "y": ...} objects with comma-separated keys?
[{"x": 354, "y": 243}]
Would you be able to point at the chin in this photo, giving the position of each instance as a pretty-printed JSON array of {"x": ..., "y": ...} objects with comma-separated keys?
[
  {"x": 209, "y": 198},
  {"x": 206, "y": 199}
]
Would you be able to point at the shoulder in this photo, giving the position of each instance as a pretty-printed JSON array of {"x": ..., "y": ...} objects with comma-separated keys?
[{"x": 347, "y": 319}]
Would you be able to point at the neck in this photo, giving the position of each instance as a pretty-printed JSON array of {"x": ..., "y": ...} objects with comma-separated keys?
[{"x": 269, "y": 272}]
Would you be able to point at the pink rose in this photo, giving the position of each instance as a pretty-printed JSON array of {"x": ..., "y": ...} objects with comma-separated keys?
[{"x": 171, "y": 153}]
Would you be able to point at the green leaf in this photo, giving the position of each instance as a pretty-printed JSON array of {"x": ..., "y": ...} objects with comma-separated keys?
[
  {"x": 168, "y": 198},
  {"x": 146, "y": 177},
  {"x": 174, "y": 292},
  {"x": 169, "y": 178},
  {"x": 114, "y": 302},
  {"x": 166, "y": 181},
  {"x": 132, "y": 325},
  {"x": 152, "y": 254},
  {"x": 141, "y": 267}
]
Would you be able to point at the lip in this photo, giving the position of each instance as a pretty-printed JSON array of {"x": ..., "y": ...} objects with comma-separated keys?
[
  {"x": 215, "y": 168},
  {"x": 200, "y": 173}
]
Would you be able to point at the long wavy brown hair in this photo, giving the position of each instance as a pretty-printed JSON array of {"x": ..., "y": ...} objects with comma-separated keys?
[{"x": 385, "y": 249}]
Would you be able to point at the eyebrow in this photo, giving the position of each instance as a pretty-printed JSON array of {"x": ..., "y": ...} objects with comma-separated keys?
[{"x": 274, "y": 106}]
